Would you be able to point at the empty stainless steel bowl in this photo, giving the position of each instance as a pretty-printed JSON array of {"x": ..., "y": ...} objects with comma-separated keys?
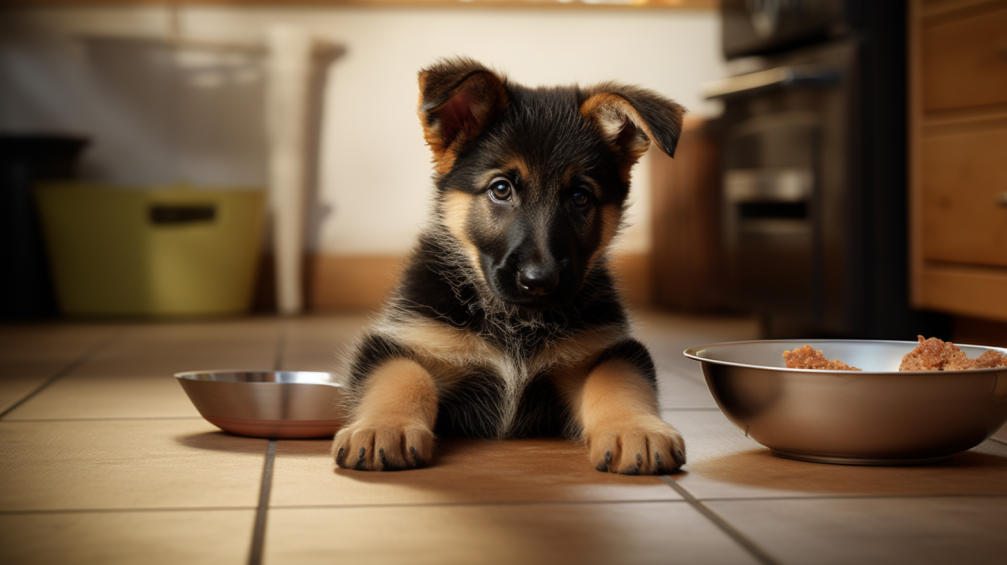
[
  {"x": 273, "y": 404},
  {"x": 879, "y": 416}
]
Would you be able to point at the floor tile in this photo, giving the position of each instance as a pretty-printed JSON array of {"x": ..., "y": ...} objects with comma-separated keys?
[
  {"x": 20, "y": 379},
  {"x": 133, "y": 376},
  {"x": 127, "y": 538},
  {"x": 464, "y": 471},
  {"x": 681, "y": 380},
  {"x": 723, "y": 463},
  {"x": 46, "y": 339},
  {"x": 678, "y": 392},
  {"x": 623, "y": 533},
  {"x": 878, "y": 531},
  {"x": 31, "y": 354},
  {"x": 108, "y": 397},
  {"x": 74, "y": 465},
  {"x": 668, "y": 335},
  {"x": 319, "y": 343}
]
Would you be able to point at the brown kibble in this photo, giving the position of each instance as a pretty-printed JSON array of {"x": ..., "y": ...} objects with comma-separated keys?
[{"x": 808, "y": 357}]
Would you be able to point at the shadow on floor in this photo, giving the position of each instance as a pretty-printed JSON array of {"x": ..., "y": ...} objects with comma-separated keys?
[{"x": 968, "y": 473}]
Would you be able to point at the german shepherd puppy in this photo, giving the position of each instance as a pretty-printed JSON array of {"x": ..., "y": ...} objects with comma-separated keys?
[{"x": 506, "y": 322}]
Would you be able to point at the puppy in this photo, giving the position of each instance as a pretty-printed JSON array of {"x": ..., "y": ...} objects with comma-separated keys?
[{"x": 506, "y": 322}]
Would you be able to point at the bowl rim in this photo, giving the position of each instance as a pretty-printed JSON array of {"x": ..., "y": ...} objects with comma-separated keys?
[
  {"x": 194, "y": 376},
  {"x": 691, "y": 353}
]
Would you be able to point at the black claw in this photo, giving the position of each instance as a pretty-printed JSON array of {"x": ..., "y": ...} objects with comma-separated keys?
[
  {"x": 679, "y": 457},
  {"x": 386, "y": 466},
  {"x": 417, "y": 460},
  {"x": 608, "y": 457},
  {"x": 632, "y": 471},
  {"x": 657, "y": 462},
  {"x": 639, "y": 460},
  {"x": 603, "y": 467},
  {"x": 361, "y": 464},
  {"x": 341, "y": 457}
]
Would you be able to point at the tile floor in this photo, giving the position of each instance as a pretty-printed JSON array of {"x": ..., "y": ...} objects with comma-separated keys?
[{"x": 104, "y": 460}]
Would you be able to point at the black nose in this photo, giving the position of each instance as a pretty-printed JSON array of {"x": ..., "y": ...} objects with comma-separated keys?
[{"x": 538, "y": 280}]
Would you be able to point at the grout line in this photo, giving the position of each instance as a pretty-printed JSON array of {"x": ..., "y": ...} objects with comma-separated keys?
[
  {"x": 998, "y": 440},
  {"x": 761, "y": 555},
  {"x": 123, "y": 510},
  {"x": 110, "y": 419},
  {"x": 259, "y": 530},
  {"x": 387, "y": 506},
  {"x": 67, "y": 369},
  {"x": 262, "y": 511},
  {"x": 393, "y": 505}
]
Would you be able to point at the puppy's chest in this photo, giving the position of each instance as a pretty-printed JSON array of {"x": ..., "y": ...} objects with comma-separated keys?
[
  {"x": 515, "y": 362},
  {"x": 508, "y": 393}
]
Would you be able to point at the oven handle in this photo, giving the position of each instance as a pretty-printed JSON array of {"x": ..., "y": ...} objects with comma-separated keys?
[{"x": 786, "y": 77}]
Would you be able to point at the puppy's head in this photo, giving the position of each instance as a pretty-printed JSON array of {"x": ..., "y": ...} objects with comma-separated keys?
[{"x": 533, "y": 182}]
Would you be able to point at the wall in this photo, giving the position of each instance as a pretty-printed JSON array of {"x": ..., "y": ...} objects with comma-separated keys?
[{"x": 159, "y": 115}]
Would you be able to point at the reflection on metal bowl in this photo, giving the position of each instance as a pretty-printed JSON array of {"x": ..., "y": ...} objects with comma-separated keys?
[
  {"x": 271, "y": 404},
  {"x": 878, "y": 416}
]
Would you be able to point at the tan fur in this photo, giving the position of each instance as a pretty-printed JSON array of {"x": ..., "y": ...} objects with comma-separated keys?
[
  {"x": 610, "y": 217},
  {"x": 394, "y": 421},
  {"x": 444, "y": 350},
  {"x": 456, "y": 215},
  {"x": 611, "y": 112},
  {"x": 620, "y": 419}
]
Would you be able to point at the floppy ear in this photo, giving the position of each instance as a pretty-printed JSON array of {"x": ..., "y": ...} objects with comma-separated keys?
[
  {"x": 629, "y": 118},
  {"x": 458, "y": 98}
]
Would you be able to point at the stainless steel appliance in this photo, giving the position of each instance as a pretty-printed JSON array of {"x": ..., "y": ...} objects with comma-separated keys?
[{"x": 814, "y": 180}]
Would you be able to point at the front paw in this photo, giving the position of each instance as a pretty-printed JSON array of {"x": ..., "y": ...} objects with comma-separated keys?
[
  {"x": 647, "y": 446},
  {"x": 382, "y": 447}
]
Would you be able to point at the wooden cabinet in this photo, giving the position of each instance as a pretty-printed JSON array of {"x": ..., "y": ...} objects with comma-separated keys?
[
  {"x": 958, "y": 156},
  {"x": 687, "y": 254}
]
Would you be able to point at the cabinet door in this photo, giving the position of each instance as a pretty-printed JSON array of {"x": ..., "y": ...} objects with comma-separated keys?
[
  {"x": 964, "y": 62},
  {"x": 964, "y": 183}
]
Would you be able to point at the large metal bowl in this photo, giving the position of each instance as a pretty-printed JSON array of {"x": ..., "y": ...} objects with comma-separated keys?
[
  {"x": 879, "y": 416},
  {"x": 272, "y": 404}
]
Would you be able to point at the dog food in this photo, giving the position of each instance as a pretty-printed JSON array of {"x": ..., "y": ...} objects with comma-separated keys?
[
  {"x": 808, "y": 357},
  {"x": 935, "y": 355},
  {"x": 930, "y": 355}
]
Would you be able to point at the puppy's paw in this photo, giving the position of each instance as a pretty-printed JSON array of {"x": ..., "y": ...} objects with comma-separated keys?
[
  {"x": 644, "y": 446},
  {"x": 382, "y": 446}
]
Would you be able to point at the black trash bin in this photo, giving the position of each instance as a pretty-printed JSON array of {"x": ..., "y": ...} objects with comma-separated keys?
[{"x": 25, "y": 285}]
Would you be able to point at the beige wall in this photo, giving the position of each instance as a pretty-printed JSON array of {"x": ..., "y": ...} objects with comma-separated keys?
[{"x": 374, "y": 175}]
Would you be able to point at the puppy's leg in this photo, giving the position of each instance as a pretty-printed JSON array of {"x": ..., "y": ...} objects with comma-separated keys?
[
  {"x": 616, "y": 407},
  {"x": 393, "y": 424}
]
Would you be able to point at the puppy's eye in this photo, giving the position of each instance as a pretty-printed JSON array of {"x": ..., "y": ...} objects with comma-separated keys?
[
  {"x": 581, "y": 198},
  {"x": 501, "y": 190}
]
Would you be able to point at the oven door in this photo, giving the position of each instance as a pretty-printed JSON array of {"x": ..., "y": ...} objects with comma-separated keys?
[{"x": 789, "y": 211}]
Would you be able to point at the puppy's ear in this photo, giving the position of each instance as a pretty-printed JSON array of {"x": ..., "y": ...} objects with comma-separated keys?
[
  {"x": 629, "y": 118},
  {"x": 458, "y": 98}
]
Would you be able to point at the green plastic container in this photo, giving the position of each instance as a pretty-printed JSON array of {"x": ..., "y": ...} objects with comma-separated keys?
[{"x": 171, "y": 251}]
